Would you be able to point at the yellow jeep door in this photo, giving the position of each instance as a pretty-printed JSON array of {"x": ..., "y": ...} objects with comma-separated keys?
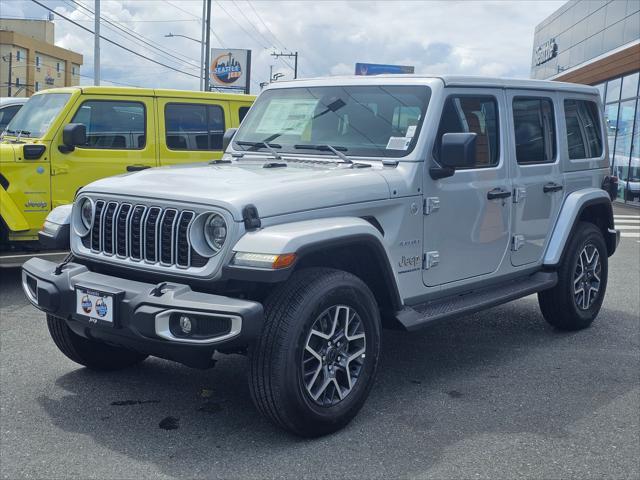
[
  {"x": 120, "y": 138},
  {"x": 191, "y": 130}
]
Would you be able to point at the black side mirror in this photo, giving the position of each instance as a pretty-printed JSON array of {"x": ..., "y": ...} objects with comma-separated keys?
[
  {"x": 73, "y": 135},
  {"x": 458, "y": 150},
  {"x": 227, "y": 137}
]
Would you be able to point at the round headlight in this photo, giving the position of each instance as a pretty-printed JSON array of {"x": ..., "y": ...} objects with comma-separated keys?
[
  {"x": 215, "y": 232},
  {"x": 86, "y": 213}
]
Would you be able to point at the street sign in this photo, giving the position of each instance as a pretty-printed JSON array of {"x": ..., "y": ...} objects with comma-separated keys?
[
  {"x": 377, "y": 69},
  {"x": 230, "y": 69}
]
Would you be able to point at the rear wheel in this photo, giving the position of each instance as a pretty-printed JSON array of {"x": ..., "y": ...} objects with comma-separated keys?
[
  {"x": 315, "y": 362},
  {"x": 575, "y": 301},
  {"x": 91, "y": 354}
]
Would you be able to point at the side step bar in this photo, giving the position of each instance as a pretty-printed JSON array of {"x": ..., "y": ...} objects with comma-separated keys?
[{"x": 418, "y": 316}]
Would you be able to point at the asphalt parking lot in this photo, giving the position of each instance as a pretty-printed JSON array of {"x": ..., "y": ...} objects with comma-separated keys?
[{"x": 498, "y": 394}]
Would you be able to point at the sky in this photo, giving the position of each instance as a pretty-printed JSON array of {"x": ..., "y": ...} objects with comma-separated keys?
[{"x": 465, "y": 37}]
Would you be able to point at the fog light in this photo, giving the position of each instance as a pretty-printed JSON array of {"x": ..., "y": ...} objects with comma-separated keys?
[{"x": 185, "y": 324}]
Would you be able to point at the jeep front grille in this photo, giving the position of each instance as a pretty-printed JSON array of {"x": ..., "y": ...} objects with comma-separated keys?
[{"x": 151, "y": 234}]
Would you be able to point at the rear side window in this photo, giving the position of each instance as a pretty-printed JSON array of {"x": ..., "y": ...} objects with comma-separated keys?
[
  {"x": 584, "y": 135},
  {"x": 471, "y": 114},
  {"x": 116, "y": 125},
  {"x": 534, "y": 130},
  {"x": 194, "y": 126}
]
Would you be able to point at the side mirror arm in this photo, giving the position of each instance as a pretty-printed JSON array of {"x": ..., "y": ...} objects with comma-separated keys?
[{"x": 438, "y": 173}]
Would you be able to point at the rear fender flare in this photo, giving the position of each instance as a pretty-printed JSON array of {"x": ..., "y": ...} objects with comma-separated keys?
[{"x": 573, "y": 207}]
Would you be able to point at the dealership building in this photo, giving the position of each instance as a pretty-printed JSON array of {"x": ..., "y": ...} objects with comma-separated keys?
[{"x": 597, "y": 42}]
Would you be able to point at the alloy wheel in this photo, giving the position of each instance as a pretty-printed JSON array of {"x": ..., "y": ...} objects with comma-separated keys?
[
  {"x": 586, "y": 279},
  {"x": 334, "y": 355}
]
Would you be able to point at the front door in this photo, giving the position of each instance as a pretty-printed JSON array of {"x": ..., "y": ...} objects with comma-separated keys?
[
  {"x": 537, "y": 180},
  {"x": 467, "y": 215},
  {"x": 120, "y": 138}
]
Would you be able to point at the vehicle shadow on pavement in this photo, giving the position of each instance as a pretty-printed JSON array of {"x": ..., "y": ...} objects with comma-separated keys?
[{"x": 502, "y": 371}]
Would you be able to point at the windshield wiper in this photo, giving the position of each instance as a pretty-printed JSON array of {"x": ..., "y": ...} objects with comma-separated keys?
[
  {"x": 271, "y": 147},
  {"x": 337, "y": 150}
]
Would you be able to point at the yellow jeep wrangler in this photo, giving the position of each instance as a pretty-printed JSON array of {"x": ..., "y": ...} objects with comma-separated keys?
[{"x": 65, "y": 138}]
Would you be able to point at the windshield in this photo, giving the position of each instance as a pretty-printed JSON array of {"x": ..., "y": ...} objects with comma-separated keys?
[
  {"x": 36, "y": 115},
  {"x": 373, "y": 121}
]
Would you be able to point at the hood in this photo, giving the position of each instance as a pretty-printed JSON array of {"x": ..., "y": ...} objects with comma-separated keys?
[{"x": 274, "y": 191}]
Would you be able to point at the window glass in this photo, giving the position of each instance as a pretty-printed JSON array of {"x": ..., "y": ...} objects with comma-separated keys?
[
  {"x": 359, "y": 120},
  {"x": 534, "y": 129},
  {"x": 242, "y": 112},
  {"x": 472, "y": 114},
  {"x": 630, "y": 86},
  {"x": 116, "y": 125},
  {"x": 624, "y": 131},
  {"x": 6, "y": 114},
  {"x": 601, "y": 89},
  {"x": 37, "y": 114},
  {"x": 613, "y": 90},
  {"x": 583, "y": 129},
  {"x": 611, "y": 119},
  {"x": 194, "y": 126}
]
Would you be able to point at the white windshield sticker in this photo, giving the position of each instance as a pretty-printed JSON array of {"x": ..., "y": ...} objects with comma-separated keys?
[
  {"x": 290, "y": 116},
  {"x": 411, "y": 131},
  {"x": 398, "y": 143}
]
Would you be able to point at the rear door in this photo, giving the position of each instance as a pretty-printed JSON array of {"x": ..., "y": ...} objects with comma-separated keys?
[
  {"x": 120, "y": 138},
  {"x": 466, "y": 226},
  {"x": 537, "y": 179},
  {"x": 191, "y": 130}
]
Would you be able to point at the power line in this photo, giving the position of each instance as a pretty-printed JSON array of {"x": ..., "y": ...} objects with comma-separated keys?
[
  {"x": 115, "y": 43},
  {"x": 140, "y": 38},
  {"x": 251, "y": 23},
  {"x": 198, "y": 18},
  {"x": 240, "y": 25},
  {"x": 282, "y": 45}
]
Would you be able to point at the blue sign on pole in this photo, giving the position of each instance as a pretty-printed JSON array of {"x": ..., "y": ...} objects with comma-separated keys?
[{"x": 377, "y": 69}]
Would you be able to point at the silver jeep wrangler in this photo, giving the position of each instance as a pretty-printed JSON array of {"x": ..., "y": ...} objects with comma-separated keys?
[{"x": 340, "y": 207}]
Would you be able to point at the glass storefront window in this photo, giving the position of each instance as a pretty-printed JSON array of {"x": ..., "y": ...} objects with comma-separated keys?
[
  {"x": 613, "y": 90},
  {"x": 611, "y": 121},
  {"x": 630, "y": 86},
  {"x": 601, "y": 89}
]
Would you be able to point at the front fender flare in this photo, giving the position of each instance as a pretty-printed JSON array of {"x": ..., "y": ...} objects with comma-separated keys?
[
  {"x": 11, "y": 214},
  {"x": 572, "y": 208},
  {"x": 311, "y": 236}
]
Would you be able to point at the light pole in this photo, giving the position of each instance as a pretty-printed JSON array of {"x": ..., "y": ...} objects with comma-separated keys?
[{"x": 203, "y": 66}]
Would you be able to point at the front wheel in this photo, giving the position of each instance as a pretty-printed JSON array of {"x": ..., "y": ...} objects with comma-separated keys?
[
  {"x": 575, "y": 302},
  {"x": 315, "y": 362},
  {"x": 92, "y": 354}
]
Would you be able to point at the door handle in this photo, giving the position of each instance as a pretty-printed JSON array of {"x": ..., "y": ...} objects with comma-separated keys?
[
  {"x": 552, "y": 187},
  {"x": 498, "y": 193},
  {"x": 137, "y": 168}
]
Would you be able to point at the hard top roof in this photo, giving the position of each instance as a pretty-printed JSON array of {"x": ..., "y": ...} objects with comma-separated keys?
[{"x": 448, "y": 80}]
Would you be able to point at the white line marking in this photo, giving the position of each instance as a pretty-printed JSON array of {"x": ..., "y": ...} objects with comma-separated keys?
[
  {"x": 628, "y": 220},
  {"x": 31, "y": 255},
  {"x": 628, "y": 227},
  {"x": 630, "y": 234},
  {"x": 626, "y": 216}
]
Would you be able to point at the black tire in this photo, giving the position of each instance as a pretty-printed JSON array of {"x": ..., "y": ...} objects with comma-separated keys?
[
  {"x": 91, "y": 354},
  {"x": 276, "y": 360},
  {"x": 560, "y": 304}
]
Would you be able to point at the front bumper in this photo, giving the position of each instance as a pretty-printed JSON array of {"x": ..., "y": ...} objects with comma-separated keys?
[{"x": 141, "y": 311}]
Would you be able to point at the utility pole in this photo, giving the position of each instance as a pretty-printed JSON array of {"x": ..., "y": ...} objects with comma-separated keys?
[
  {"x": 96, "y": 44},
  {"x": 295, "y": 60},
  {"x": 10, "y": 66},
  {"x": 202, "y": 69},
  {"x": 207, "y": 46}
]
